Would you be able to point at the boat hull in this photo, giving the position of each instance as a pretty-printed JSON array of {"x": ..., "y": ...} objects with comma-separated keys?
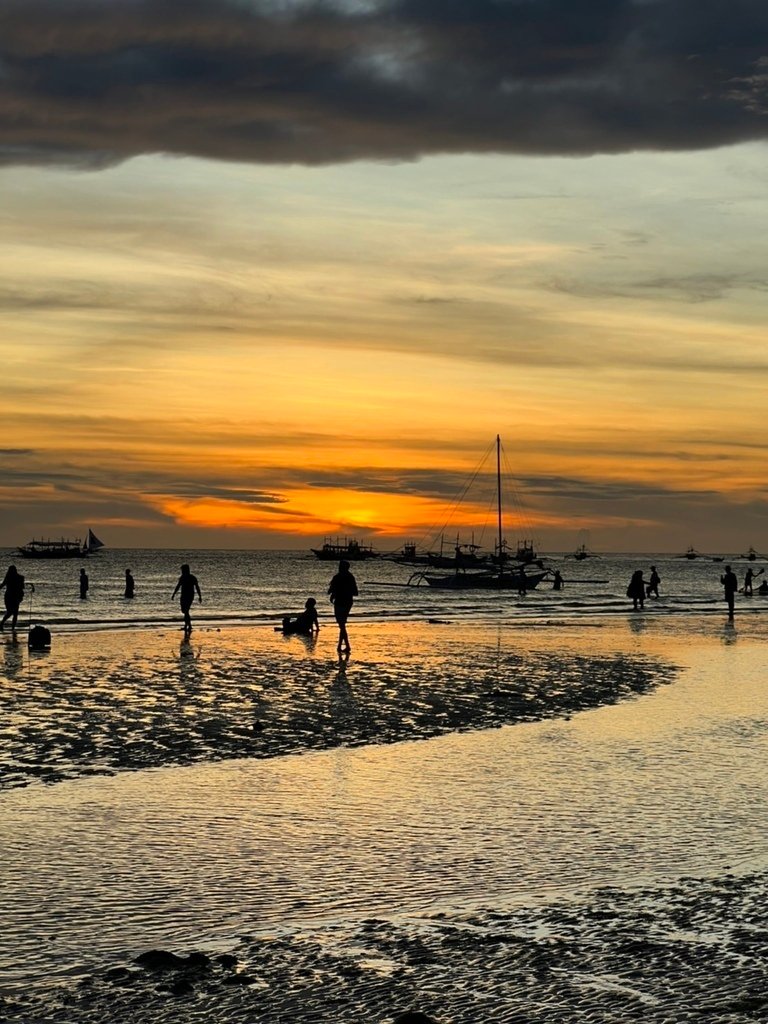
[
  {"x": 491, "y": 581},
  {"x": 52, "y": 553},
  {"x": 336, "y": 555}
]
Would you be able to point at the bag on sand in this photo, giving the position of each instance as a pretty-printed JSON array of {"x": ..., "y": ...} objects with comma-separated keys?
[{"x": 39, "y": 638}]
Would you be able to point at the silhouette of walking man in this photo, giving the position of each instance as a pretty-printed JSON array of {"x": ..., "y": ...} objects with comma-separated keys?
[
  {"x": 636, "y": 590},
  {"x": 187, "y": 587},
  {"x": 652, "y": 590},
  {"x": 730, "y": 586},
  {"x": 342, "y": 591},
  {"x": 84, "y": 584},
  {"x": 130, "y": 584}
]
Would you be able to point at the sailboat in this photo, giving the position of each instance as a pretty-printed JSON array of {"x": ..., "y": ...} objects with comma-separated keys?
[
  {"x": 62, "y": 548},
  {"x": 503, "y": 577}
]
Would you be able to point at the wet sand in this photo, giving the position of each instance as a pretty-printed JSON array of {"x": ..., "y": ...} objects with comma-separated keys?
[
  {"x": 694, "y": 952},
  {"x": 103, "y": 702},
  {"x": 691, "y": 951}
]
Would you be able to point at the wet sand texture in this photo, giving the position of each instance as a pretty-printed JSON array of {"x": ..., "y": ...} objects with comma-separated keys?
[
  {"x": 100, "y": 703},
  {"x": 695, "y": 952}
]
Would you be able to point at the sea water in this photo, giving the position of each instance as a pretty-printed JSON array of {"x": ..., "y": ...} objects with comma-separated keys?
[{"x": 262, "y": 586}]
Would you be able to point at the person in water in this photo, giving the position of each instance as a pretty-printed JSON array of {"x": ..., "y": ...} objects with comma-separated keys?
[
  {"x": 130, "y": 584},
  {"x": 749, "y": 576},
  {"x": 652, "y": 590},
  {"x": 84, "y": 584},
  {"x": 636, "y": 590},
  {"x": 730, "y": 586},
  {"x": 557, "y": 580},
  {"x": 304, "y": 624},
  {"x": 342, "y": 591},
  {"x": 186, "y": 588},
  {"x": 13, "y": 584}
]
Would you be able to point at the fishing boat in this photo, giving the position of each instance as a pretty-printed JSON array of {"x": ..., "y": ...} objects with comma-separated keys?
[
  {"x": 517, "y": 577},
  {"x": 409, "y": 554},
  {"x": 62, "y": 548},
  {"x": 751, "y": 555},
  {"x": 582, "y": 552},
  {"x": 690, "y": 554},
  {"x": 465, "y": 556},
  {"x": 350, "y": 550}
]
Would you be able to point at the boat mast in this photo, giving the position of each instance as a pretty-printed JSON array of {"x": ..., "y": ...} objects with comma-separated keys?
[{"x": 498, "y": 498}]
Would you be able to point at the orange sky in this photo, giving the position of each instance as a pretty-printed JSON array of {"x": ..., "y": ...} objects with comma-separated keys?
[{"x": 202, "y": 354}]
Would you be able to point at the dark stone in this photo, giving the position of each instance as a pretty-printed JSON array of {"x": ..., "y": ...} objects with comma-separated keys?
[
  {"x": 239, "y": 979},
  {"x": 227, "y": 961},
  {"x": 160, "y": 960},
  {"x": 116, "y": 973},
  {"x": 181, "y": 987},
  {"x": 198, "y": 962},
  {"x": 413, "y": 1017}
]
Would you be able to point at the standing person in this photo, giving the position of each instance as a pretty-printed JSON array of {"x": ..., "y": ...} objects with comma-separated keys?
[
  {"x": 749, "y": 576},
  {"x": 130, "y": 584},
  {"x": 730, "y": 586},
  {"x": 84, "y": 584},
  {"x": 652, "y": 590},
  {"x": 342, "y": 590},
  {"x": 13, "y": 584},
  {"x": 557, "y": 580},
  {"x": 186, "y": 588},
  {"x": 636, "y": 589}
]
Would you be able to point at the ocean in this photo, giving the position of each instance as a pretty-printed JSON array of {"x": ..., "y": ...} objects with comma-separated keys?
[{"x": 253, "y": 587}]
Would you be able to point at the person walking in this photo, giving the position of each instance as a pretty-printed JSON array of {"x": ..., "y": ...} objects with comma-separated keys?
[
  {"x": 652, "y": 590},
  {"x": 342, "y": 591},
  {"x": 13, "y": 584},
  {"x": 130, "y": 584},
  {"x": 84, "y": 584},
  {"x": 730, "y": 586},
  {"x": 636, "y": 590},
  {"x": 186, "y": 588}
]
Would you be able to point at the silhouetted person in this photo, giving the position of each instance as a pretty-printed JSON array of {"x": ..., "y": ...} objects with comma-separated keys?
[
  {"x": 187, "y": 587},
  {"x": 84, "y": 584},
  {"x": 636, "y": 590},
  {"x": 304, "y": 624},
  {"x": 557, "y": 580},
  {"x": 749, "y": 577},
  {"x": 13, "y": 584},
  {"x": 730, "y": 586},
  {"x": 652, "y": 590},
  {"x": 130, "y": 584},
  {"x": 763, "y": 588},
  {"x": 342, "y": 591}
]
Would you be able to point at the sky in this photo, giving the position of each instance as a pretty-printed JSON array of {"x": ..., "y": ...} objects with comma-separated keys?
[{"x": 273, "y": 270}]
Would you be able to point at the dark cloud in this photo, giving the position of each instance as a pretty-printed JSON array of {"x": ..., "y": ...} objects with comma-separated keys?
[{"x": 92, "y": 82}]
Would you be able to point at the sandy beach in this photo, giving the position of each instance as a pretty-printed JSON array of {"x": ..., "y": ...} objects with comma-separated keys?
[{"x": 577, "y": 835}]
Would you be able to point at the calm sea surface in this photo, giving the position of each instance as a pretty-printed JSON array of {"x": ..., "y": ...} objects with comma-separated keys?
[{"x": 261, "y": 586}]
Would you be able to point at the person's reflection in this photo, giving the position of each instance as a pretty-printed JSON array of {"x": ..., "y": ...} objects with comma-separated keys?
[
  {"x": 190, "y": 673},
  {"x": 14, "y": 658},
  {"x": 730, "y": 636},
  {"x": 341, "y": 698},
  {"x": 638, "y": 624}
]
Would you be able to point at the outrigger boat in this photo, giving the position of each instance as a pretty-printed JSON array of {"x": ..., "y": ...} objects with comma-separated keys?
[
  {"x": 351, "y": 550},
  {"x": 62, "y": 548},
  {"x": 503, "y": 577}
]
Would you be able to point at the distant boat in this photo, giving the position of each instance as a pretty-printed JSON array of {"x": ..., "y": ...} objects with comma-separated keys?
[
  {"x": 464, "y": 556},
  {"x": 409, "y": 555},
  {"x": 62, "y": 548},
  {"x": 690, "y": 554},
  {"x": 582, "y": 552},
  {"x": 351, "y": 550},
  {"x": 751, "y": 555}
]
